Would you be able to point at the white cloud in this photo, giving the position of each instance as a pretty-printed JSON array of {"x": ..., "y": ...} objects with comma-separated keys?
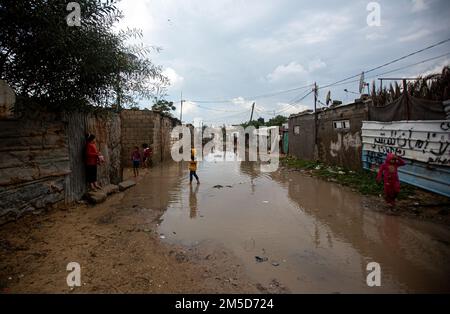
[
  {"x": 287, "y": 109},
  {"x": 375, "y": 36},
  {"x": 295, "y": 70},
  {"x": 174, "y": 78},
  {"x": 316, "y": 65},
  {"x": 435, "y": 69},
  {"x": 136, "y": 15},
  {"x": 242, "y": 102},
  {"x": 414, "y": 36},
  {"x": 189, "y": 108},
  {"x": 312, "y": 29},
  {"x": 419, "y": 5},
  {"x": 289, "y": 70}
]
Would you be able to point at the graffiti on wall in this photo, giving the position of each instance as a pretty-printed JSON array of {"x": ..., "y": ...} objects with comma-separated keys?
[
  {"x": 346, "y": 142},
  {"x": 424, "y": 141}
]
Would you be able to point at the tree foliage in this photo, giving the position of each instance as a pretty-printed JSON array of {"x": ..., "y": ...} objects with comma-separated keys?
[
  {"x": 164, "y": 106},
  {"x": 49, "y": 63},
  {"x": 276, "y": 121}
]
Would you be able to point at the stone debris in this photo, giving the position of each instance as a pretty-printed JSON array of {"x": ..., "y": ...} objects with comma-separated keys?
[
  {"x": 110, "y": 189},
  {"x": 260, "y": 259},
  {"x": 126, "y": 185},
  {"x": 96, "y": 197}
]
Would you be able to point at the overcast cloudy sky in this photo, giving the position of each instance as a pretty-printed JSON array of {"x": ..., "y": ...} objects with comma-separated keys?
[{"x": 234, "y": 50}]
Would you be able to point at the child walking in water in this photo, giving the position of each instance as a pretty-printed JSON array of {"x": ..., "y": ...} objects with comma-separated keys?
[
  {"x": 136, "y": 159},
  {"x": 389, "y": 172},
  {"x": 193, "y": 170}
]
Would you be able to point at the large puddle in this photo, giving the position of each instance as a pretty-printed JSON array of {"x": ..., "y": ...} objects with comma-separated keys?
[{"x": 316, "y": 236}]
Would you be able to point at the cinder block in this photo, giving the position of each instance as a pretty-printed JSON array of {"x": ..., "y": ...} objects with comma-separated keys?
[
  {"x": 96, "y": 197},
  {"x": 126, "y": 185}
]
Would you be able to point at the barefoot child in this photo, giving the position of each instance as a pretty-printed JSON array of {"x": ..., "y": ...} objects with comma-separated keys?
[
  {"x": 389, "y": 172},
  {"x": 193, "y": 170},
  {"x": 136, "y": 159}
]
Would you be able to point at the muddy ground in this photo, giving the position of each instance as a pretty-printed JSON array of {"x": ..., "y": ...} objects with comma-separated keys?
[
  {"x": 163, "y": 236},
  {"x": 119, "y": 251}
]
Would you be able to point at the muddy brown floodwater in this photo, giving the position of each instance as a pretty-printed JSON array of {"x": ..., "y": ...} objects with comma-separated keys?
[
  {"x": 302, "y": 233},
  {"x": 239, "y": 231}
]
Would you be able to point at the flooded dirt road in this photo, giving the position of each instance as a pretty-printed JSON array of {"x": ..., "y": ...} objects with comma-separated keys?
[
  {"x": 299, "y": 232},
  {"x": 239, "y": 231}
]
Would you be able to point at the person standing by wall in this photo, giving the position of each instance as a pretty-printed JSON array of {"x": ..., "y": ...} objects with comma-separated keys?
[
  {"x": 92, "y": 158},
  {"x": 136, "y": 159},
  {"x": 147, "y": 156}
]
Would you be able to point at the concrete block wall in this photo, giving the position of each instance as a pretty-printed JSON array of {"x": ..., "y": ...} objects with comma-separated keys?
[{"x": 145, "y": 126}]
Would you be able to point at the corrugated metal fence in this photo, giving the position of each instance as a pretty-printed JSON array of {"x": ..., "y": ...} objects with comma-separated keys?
[{"x": 106, "y": 128}]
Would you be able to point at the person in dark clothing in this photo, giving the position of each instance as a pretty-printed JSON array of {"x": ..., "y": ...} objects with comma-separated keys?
[{"x": 136, "y": 159}]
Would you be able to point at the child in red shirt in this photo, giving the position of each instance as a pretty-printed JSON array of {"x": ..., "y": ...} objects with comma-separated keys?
[
  {"x": 147, "y": 156},
  {"x": 92, "y": 160},
  {"x": 389, "y": 172}
]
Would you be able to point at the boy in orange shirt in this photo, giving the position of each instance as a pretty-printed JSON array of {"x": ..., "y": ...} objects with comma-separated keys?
[{"x": 193, "y": 170}]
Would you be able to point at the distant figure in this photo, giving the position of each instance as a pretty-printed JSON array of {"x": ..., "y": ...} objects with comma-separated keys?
[
  {"x": 147, "y": 156},
  {"x": 389, "y": 172},
  {"x": 93, "y": 158},
  {"x": 193, "y": 153},
  {"x": 193, "y": 170},
  {"x": 136, "y": 159}
]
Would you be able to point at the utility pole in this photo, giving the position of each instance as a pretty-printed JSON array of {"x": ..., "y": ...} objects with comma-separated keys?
[
  {"x": 253, "y": 109},
  {"x": 315, "y": 114},
  {"x": 181, "y": 110}
]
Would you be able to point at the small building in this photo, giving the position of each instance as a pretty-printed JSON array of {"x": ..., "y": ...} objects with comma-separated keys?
[{"x": 332, "y": 135}]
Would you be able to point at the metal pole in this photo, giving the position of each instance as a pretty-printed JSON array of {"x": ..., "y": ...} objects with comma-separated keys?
[
  {"x": 181, "y": 110},
  {"x": 253, "y": 109},
  {"x": 315, "y": 113}
]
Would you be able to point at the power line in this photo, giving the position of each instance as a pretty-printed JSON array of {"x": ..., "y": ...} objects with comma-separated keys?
[
  {"x": 294, "y": 102},
  {"x": 388, "y": 63},
  {"x": 254, "y": 97},
  {"x": 395, "y": 70},
  {"x": 337, "y": 83},
  {"x": 229, "y": 116},
  {"x": 213, "y": 109}
]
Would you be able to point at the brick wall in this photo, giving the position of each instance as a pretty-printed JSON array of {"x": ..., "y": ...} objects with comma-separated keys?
[{"x": 145, "y": 126}]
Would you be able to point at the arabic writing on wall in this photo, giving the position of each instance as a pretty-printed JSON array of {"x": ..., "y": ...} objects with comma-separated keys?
[{"x": 425, "y": 141}]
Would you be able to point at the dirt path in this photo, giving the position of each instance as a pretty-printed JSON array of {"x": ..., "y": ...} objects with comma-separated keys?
[
  {"x": 118, "y": 250},
  {"x": 240, "y": 231}
]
